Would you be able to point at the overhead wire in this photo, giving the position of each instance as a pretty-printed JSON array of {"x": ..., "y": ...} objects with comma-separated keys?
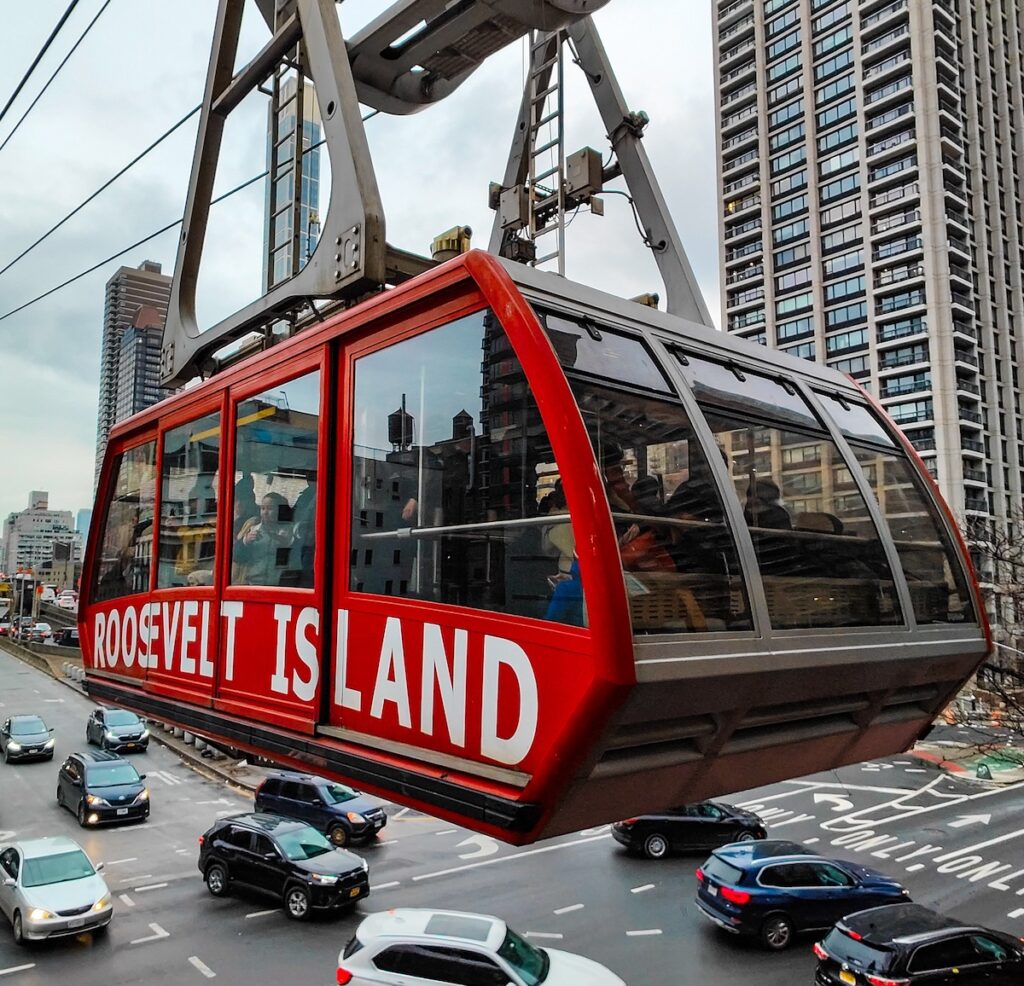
[
  {"x": 56, "y": 72},
  {"x": 39, "y": 56}
]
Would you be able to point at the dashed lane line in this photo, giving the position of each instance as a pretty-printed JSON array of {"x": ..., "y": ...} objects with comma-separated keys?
[
  {"x": 914, "y": 867},
  {"x": 643, "y": 932},
  {"x": 260, "y": 914},
  {"x": 387, "y": 842},
  {"x": 569, "y": 909},
  {"x": 640, "y": 890},
  {"x": 545, "y": 934},
  {"x": 202, "y": 967},
  {"x": 150, "y": 886},
  {"x": 126, "y": 900},
  {"x": 158, "y": 933},
  {"x": 136, "y": 878},
  {"x": 118, "y": 862},
  {"x": 1017, "y": 913},
  {"x": 17, "y": 968},
  {"x": 446, "y": 832},
  {"x": 385, "y": 886},
  {"x": 811, "y": 841}
]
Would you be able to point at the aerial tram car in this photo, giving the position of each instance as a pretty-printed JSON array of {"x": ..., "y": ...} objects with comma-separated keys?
[{"x": 503, "y": 547}]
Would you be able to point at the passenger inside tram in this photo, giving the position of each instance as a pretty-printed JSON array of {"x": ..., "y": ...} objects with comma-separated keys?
[{"x": 261, "y": 551}]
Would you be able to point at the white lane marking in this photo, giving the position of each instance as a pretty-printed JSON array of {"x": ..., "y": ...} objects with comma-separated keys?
[
  {"x": 54, "y": 701},
  {"x": 1017, "y": 913},
  {"x": 138, "y": 876},
  {"x": 544, "y": 934},
  {"x": 963, "y": 820},
  {"x": 485, "y": 846},
  {"x": 118, "y": 862},
  {"x": 150, "y": 886},
  {"x": 505, "y": 859},
  {"x": 914, "y": 867},
  {"x": 811, "y": 841},
  {"x": 260, "y": 914},
  {"x": 202, "y": 967},
  {"x": 978, "y": 845},
  {"x": 126, "y": 900},
  {"x": 182, "y": 852},
  {"x": 566, "y": 910},
  {"x": 914, "y": 770},
  {"x": 902, "y": 763},
  {"x": 850, "y": 787},
  {"x": 775, "y": 797},
  {"x": 219, "y": 801},
  {"x": 17, "y": 968},
  {"x": 446, "y": 832},
  {"x": 399, "y": 814},
  {"x": 158, "y": 933},
  {"x": 386, "y": 842},
  {"x": 166, "y": 776},
  {"x": 837, "y": 801},
  {"x": 385, "y": 886},
  {"x": 646, "y": 931},
  {"x": 640, "y": 890}
]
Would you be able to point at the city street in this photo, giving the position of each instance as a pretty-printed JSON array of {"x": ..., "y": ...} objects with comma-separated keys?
[{"x": 956, "y": 844}]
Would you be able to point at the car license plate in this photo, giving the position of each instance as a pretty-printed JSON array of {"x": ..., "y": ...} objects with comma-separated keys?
[
  {"x": 122, "y": 811},
  {"x": 712, "y": 890},
  {"x": 847, "y": 977},
  {"x": 354, "y": 892},
  {"x": 378, "y": 823},
  {"x": 76, "y": 922}
]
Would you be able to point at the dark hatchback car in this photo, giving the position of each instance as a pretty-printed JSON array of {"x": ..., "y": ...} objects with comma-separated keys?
[
  {"x": 775, "y": 889},
  {"x": 909, "y": 945},
  {"x": 25, "y": 738},
  {"x": 702, "y": 826},
  {"x": 102, "y": 787},
  {"x": 66, "y": 637},
  {"x": 341, "y": 813},
  {"x": 116, "y": 729},
  {"x": 282, "y": 858}
]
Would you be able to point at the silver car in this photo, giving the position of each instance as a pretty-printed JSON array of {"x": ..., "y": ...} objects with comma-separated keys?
[{"x": 50, "y": 888}]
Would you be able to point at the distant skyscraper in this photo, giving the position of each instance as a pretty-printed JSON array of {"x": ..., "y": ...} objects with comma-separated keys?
[
  {"x": 279, "y": 214},
  {"x": 871, "y": 160},
  {"x": 128, "y": 291},
  {"x": 83, "y": 519},
  {"x": 29, "y": 535},
  {"x": 138, "y": 366}
]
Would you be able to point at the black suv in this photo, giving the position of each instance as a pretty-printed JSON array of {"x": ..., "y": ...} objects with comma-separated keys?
[
  {"x": 102, "y": 787},
  {"x": 282, "y": 858},
  {"x": 909, "y": 944},
  {"x": 341, "y": 813},
  {"x": 707, "y": 825},
  {"x": 25, "y": 738},
  {"x": 116, "y": 729}
]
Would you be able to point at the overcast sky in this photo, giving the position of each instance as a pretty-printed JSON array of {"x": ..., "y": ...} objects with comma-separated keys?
[{"x": 143, "y": 67}]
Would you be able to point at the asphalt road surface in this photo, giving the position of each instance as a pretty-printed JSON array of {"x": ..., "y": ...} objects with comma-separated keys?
[{"x": 956, "y": 844}]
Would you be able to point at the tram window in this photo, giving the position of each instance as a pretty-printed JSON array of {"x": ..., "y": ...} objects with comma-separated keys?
[
  {"x": 188, "y": 504},
  {"x": 273, "y": 535},
  {"x": 682, "y": 568},
  {"x": 823, "y": 565},
  {"x": 585, "y": 346},
  {"x": 856, "y": 420},
  {"x": 126, "y": 548},
  {"x": 938, "y": 587},
  {"x": 447, "y": 421}
]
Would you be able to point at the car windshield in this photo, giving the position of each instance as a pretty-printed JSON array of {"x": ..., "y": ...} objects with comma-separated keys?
[
  {"x": 335, "y": 794},
  {"x": 304, "y": 843},
  {"x": 113, "y": 775},
  {"x": 28, "y": 726},
  {"x": 118, "y": 717},
  {"x": 59, "y": 868},
  {"x": 531, "y": 963}
]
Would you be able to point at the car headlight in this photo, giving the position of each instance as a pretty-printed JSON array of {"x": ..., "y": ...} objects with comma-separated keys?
[
  {"x": 109, "y": 735},
  {"x": 145, "y": 734},
  {"x": 49, "y": 744},
  {"x": 96, "y": 801},
  {"x": 14, "y": 747},
  {"x": 323, "y": 879},
  {"x": 366, "y": 866},
  {"x": 38, "y": 914},
  {"x": 143, "y": 795},
  {"x": 354, "y": 816},
  {"x": 102, "y": 904}
]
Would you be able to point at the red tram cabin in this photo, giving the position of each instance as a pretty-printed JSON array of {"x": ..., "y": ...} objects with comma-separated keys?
[{"x": 527, "y": 557}]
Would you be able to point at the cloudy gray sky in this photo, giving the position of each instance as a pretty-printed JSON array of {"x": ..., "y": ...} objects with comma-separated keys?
[{"x": 143, "y": 67}]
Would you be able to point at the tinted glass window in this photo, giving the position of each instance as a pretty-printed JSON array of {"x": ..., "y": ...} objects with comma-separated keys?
[
  {"x": 584, "y": 346},
  {"x": 938, "y": 586},
  {"x": 126, "y": 548},
  {"x": 112, "y": 775},
  {"x": 453, "y": 476},
  {"x": 188, "y": 504},
  {"x": 239, "y": 838},
  {"x": 722, "y": 871},
  {"x": 856, "y": 420},
  {"x": 784, "y": 876},
  {"x": 987, "y": 950},
  {"x": 472, "y": 969},
  {"x": 531, "y": 963},
  {"x": 336, "y": 794},
  {"x": 275, "y": 485},
  {"x": 682, "y": 570},
  {"x": 262, "y": 846},
  {"x": 831, "y": 876},
  {"x": 944, "y": 955},
  {"x": 859, "y": 954}
]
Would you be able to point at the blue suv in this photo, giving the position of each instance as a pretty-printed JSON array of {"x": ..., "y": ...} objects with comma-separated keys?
[
  {"x": 774, "y": 889},
  {"x": 341, "y": 813}
]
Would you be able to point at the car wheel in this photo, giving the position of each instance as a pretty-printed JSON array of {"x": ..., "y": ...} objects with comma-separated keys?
[
  {"x": 60, "y": 798},
  {"x": 217, "y": 880},
  {"x": 777, "y": 932},
  {"x": 338, "y": 835},
  {"x": 745, "y": 836},
  {"x": 19, "y": 931},
  {"x": 655, "y": 846},
  {"x": 81, "y": 814},
  {"x": 4, "y": 757},
  {"x": 297, "y": 902},
  {"x": 88, "y": 737}
]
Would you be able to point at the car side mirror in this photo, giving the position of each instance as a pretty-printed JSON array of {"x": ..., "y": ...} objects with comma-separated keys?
[
  {"x": 270, "y": 856},
  {"x": 9, "y": 881},
  {"x": 76, "y": 782},
  {"x": 99, "y": 867},
  {"x": 142, "y": 777},
  {"x": 50, "y": 729}
]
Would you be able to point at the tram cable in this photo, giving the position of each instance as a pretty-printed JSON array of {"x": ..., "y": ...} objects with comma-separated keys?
[
  {"x": 152, "y": 236},
  {"x": 110, "y": 181},
  {"x": 39, "y": 56},
  {"x": 56, "y": 72}
]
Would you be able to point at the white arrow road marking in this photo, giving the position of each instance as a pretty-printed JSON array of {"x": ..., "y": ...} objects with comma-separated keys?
[
  {"x": 963, "y": 820},
  {"x": 202, "y": 967},
  {"x": 838, "y": 802},
  {"x": 158, "y": 933},
  {"x": 485, "y": 847},
  {"x": 17, "y": 968}
]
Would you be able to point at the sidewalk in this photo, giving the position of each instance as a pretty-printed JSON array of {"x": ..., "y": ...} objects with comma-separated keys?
[
  {"x": 240, "y": 774},
  {"x": 981, "y": 762}
]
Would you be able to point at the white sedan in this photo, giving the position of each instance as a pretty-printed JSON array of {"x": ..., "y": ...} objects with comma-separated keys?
[
  {"x": 413, "y": 946},
  {"x": 49, "y": 888}
]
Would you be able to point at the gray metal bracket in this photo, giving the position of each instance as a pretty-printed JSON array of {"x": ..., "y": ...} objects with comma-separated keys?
[{"x": 625, "y": 133}]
